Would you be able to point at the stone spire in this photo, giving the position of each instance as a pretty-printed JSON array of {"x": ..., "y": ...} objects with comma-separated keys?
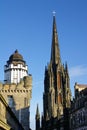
[
  {"x": 66, "y": 67},
  {"x": 55, "y": 51},
  {"x": 66, "y": 71},
  {"x": 37, "y": 118},
  {"x": 37, "y": 112}
]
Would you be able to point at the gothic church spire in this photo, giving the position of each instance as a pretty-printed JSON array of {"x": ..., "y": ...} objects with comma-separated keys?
[
  {"x": 37, "y": 118},
  {"x": 55, "y": 51},
  {"x": 37, "y": 111}
]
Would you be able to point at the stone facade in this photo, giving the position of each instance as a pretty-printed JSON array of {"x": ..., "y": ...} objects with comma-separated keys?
[
  {"x": 8, "y": 120},
  {"x": 18, "y": 98},
  {"x": 17, "y": 88},
  {"x": 78, "y": 111}
]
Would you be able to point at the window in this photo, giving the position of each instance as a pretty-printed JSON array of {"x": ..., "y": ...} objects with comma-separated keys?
[
  {"x": 10, "y": 100},
  {"x": 25, "y": 102}
]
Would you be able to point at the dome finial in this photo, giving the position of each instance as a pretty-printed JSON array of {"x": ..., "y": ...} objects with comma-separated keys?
[{"x": 16, "y": 51}]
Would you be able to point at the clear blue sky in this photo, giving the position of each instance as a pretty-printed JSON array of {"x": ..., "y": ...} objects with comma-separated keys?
[{"x": 26, "y": 25}]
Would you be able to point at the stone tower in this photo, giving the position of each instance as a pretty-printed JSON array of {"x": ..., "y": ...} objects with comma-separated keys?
[
  {"x": 37, "y": 117},
  {"x": 17, "y": 89},
  {"x": 57, "y": 93},
  {"x": 15, "y": 69}
]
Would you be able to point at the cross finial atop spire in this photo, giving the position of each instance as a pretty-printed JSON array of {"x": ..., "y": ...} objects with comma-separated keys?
[{"x": 54, "y": 13}]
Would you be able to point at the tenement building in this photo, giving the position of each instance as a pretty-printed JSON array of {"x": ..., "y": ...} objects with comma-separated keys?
[
  {"x": 57, "y": 94},
  {"x": 78, "y": 111},
  {"x": 17, "y": 89}
]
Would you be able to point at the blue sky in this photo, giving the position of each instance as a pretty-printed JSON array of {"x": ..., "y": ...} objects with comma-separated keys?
[{"x": 26, "y": 25}]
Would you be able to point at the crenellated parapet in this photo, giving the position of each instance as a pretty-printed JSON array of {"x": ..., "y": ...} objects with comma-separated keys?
[{"x": 19, "y": 91}]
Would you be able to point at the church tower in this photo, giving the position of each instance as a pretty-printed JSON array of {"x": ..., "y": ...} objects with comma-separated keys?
[{"x": 57, "y": 93}]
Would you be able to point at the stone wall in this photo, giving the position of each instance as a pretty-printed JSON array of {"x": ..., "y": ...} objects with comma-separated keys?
[
  {"x": 18, "y": 98},
  {"x": 8, "y": 120}
]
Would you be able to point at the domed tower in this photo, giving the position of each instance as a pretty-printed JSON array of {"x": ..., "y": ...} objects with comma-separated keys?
[
  {"x": 15, "y": 69},
  {"x": 17, "y": 89}
]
